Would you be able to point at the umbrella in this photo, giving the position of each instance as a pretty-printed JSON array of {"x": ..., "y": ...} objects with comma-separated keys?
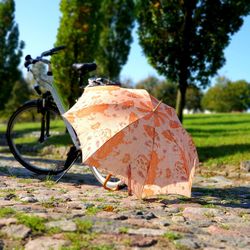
[{"x": 134, "y": 136}]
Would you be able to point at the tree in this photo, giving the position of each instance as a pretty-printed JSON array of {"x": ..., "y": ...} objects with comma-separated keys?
[
  {"x": 166, "y": 92},
  {"x": 227, "y": 96},
  {"x": 162, "y": 90},
  {"x": 193, "y": 98},
  {"x": 19, "y": 94},
  {"x": 185, "y": 40},
  {"x": 79, "y": 30},
  {"x": 238, "y": 95},
  {"x": 148, "y": 83},
  {"x": 10, "y": 50},
  {"x": 115, "y": 37}
]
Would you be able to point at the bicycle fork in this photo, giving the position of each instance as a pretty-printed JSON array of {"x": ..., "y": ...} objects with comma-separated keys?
[{"x": 45, "y": 120}]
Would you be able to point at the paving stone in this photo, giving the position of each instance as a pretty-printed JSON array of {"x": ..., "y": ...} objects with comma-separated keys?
[
  {"x": 201, "y": 213},
  {"x": 245, "y": 166},
  {"x": 7, "y": 221},
  {"x": 144, "y": 242},
  {"x": 215, "y": 181},
  {"x": 202, "y": 223},
  {"x": 178, "y": 219},
  {"x": 188, "y": 243},
  {"x": 46, "y": 243},
  {"x": 64, "y": 225},
  {"x": 146, "y": 215},
  {"x": 121, "y": 217},
  {"x": 172, "y": 210},
  {"x": 16, "y": 231},
  {"x": 217, "y": 217},
  {"x": 29, "y": 199},
  {"x": 3, "y": 185},
  {"x": 9, "y": 197},
  {"x": 147, "y": 231}
]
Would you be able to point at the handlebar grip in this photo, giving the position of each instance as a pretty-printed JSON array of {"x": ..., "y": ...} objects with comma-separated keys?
[
  {"x": 29, "y": 60},
  {"x": 58, "y": 48},
  {"x": 52, "y": 51},
  {"x": 28, "y": 57}
]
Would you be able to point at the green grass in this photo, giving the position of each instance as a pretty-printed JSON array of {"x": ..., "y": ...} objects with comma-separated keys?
[
  {"x": 57, "y": 130},
  {"x": 35, "y": 223},
  {"x": 221, "y": 139},
  {"x": 172, "y": 236},
  {"x": 83, "y": 226},
  {"x": 6, "y": 212}
]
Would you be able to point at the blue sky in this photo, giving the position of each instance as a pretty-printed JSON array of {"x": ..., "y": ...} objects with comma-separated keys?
[{"x": 38, "y": 21}]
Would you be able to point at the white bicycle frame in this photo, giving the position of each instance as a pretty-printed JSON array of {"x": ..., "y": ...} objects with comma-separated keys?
[{"x": 47, "y": 82}]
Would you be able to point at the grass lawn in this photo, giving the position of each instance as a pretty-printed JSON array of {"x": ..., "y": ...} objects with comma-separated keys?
[{"x": 221, "y": 139}]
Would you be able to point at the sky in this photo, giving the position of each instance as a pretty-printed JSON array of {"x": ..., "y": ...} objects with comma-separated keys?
[{"x": 38, "y": 21}]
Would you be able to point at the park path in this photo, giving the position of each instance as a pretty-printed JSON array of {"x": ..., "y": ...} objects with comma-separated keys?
[{"x": 77, "y": 213}]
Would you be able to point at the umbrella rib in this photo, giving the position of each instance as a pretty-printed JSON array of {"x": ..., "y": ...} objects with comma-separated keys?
[{"x": 149, "y": 162}]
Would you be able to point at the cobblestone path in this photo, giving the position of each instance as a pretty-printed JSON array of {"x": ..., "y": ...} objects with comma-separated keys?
[{"x": 77, "y": 213}]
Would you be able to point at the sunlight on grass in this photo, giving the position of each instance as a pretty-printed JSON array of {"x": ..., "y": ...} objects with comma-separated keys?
[{"x": 220, "y": 138}]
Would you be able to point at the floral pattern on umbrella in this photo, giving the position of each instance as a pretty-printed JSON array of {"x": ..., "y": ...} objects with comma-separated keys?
[{"x": 134, "y": 136}]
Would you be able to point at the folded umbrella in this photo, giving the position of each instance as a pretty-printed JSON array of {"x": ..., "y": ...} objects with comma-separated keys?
[{"x": 135, "y": 137}]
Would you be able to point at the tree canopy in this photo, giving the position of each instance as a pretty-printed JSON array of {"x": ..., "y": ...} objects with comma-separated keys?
[
  {"x": 185, "y": 40},
  {"x": 166, "y": 92},
  {"x": 10, "y": 50},
  {"x": 79, "y": 30},
  {"x": 92, "y": 30},
  {"x": 227, "y": 96},
  {"x": 115, "y": 37}
]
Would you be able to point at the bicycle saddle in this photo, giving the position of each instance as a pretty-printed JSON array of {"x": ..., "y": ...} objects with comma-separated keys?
[{"x": 84, "y": 68}]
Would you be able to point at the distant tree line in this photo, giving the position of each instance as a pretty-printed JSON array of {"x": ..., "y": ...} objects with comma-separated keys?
[
  {"x": 224, "y": 96},
  {"x": 227, "y": 96}
]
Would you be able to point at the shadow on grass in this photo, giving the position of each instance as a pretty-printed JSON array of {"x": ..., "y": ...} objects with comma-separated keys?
[
  {"x": 212, "y": 152},
  {"x": 215, "y": 132},
  {"x": 223, "y": 122}
]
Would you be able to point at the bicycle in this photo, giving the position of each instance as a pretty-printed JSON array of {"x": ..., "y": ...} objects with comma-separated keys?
[{"x": 37, "y": 128}]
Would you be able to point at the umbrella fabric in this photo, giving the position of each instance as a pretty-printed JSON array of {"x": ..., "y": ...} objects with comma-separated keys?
[{"x": 133, "y": 136}]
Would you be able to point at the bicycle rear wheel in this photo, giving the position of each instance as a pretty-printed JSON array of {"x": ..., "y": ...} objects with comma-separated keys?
[{"x": 42, "y": 154}]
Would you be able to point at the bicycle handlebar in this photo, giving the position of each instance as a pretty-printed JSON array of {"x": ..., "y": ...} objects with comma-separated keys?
[
  {"x": 52, "y": 51},
  {"x": 29, "y": 60}
]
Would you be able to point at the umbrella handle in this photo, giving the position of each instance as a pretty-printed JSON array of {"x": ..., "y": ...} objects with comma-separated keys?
[{"x": 105, "y": 184}]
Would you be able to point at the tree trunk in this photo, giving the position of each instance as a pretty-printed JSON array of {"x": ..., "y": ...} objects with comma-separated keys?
[
  {"x": 184, "y": 73},
  {"x": 181, "y": 101}
]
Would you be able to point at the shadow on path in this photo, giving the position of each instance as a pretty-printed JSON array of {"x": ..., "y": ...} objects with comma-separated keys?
[
  {"x": 83, "y": 176},
  {"x": 233, "y": 197}
]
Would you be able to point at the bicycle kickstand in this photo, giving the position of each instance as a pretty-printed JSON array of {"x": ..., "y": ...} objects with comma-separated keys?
[{"x": 73, "y": 155}]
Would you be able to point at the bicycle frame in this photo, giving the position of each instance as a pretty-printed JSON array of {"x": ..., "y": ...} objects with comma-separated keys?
[
  {"x": 46, "y": 81},
  {"x": 44, "y": 78}
]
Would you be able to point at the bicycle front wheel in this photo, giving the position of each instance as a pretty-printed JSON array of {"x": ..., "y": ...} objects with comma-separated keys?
[{"x": 41, "y": 150}]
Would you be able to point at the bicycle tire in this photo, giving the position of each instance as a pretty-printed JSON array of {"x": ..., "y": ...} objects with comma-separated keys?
[
  {"x": 32, "y": 160},
  {"x": 23, "y": 134}
]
